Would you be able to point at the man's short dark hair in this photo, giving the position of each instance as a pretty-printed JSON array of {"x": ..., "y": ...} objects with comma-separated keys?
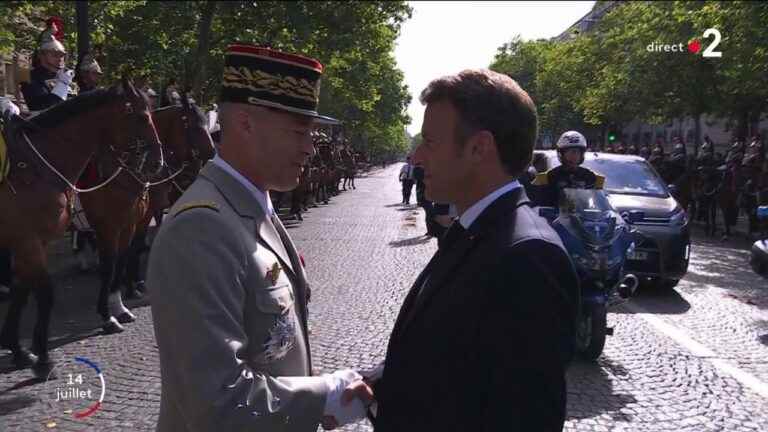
[{"x": 488, "y": 100}]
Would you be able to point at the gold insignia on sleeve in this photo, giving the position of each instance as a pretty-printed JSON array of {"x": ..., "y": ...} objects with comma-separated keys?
[
  {"x": 274, "y": 273},
  {"x": 197, "y": 204},
  {"x": 599, "y": 181},
  {"x": 541, "y": 179}
]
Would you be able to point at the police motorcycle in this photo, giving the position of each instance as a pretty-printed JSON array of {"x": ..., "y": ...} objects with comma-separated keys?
[
  {"x": 598, "y": 239},
  {"x": 759, "y": 252}
]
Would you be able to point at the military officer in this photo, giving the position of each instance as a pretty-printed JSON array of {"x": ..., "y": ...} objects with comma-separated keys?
[
  {"x": 229, "y": 290},
  {"x": 50, "y": 81},
  {"x": 570, "y": 174}
]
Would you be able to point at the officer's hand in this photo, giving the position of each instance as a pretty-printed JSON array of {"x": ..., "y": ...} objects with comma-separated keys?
[
  {"x": 356, "y": 390},
  {"x": 65, "y": 76}
]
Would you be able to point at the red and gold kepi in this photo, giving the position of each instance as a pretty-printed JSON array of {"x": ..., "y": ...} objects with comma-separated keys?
[{"x": 263, "y": 76}]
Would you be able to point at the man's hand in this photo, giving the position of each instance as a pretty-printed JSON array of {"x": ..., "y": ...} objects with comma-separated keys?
[
  {"x": 65, "y": 76},
  {"x": 357, "y": 390},
  {"x": 63, "y": 80}
]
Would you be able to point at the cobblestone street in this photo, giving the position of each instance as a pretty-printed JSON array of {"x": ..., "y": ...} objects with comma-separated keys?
[{"x": 690, "y": 359}]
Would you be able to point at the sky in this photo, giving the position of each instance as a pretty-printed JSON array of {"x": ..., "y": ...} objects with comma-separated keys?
[{"x": 443, "y": 38}]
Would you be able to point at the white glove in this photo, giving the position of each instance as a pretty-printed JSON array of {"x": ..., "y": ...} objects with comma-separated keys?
[
  {"x": 337, "y": 382},
  {"x": 6, "y": 105},
  {"x": 63, "y": 80}
]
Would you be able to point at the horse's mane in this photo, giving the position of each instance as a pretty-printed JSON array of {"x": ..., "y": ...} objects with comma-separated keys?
[{"x": 70, "y": 108}]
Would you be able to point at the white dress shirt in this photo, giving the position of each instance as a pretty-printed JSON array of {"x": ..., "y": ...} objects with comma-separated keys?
[
  {"x": 472, "y": 213},
  {"x": 261, "y": 196}
]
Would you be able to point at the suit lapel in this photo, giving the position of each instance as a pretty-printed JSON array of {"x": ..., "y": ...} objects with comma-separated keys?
[
  {"x": 406, "y": 312},
  {"x": 443, "y": 265},
  {"x": 447, "y": 263}
]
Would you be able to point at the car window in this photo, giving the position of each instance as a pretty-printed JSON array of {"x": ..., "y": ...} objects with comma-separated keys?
[{"x": 633, "y": 177}]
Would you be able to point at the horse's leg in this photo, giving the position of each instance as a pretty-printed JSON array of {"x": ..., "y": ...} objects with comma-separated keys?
[
  {"x": 158, "y": 215},
  {"x": 31, "y": 267},
  {"x": 9, "y": 336},
  {"x": 133, "y": 281},
  {"x": 116, "y": 307},
  {"x": 107, "y": 271}
]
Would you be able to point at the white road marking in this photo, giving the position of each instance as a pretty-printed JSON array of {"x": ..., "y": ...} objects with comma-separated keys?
[{"x": 699, "y": 350}]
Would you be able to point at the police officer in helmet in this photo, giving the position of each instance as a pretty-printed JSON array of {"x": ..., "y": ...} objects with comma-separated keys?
[{"x": 570, "y": 174}]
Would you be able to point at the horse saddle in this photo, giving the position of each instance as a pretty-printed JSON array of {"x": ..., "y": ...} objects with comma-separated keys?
[{"x": 17, "y": 161}]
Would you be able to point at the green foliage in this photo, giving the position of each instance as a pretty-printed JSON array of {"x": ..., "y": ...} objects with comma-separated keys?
[
  {"x": 608, "y": 77},
  {"x": 362, "y": 85}
]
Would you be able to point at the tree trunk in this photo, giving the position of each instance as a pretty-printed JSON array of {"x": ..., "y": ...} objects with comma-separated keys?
[
  {"x": 83, "y": 28},
  {"x": 203, "y": 44}
]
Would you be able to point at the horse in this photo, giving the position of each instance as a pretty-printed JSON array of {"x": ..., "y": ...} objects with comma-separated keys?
[
  {"x": 188, "y": 146},
  {"x": 708, "y": 188},
  {"x": 49, "y": 152}
]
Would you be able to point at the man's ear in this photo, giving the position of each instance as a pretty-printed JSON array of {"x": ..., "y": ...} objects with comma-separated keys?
[{"x": 481, "y": 146}]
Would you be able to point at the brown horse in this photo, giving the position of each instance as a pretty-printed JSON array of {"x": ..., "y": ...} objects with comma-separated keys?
[
  {"x": 49, "y": 153},
  {"x": 188, "y": 146},
  {"x": 117, "y": 211}
]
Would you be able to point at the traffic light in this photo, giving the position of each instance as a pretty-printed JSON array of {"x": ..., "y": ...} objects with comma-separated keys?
[{"x": 611, "y": 137}]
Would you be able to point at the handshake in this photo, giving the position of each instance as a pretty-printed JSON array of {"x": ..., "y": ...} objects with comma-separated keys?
[{"x": 349, "y": 397}]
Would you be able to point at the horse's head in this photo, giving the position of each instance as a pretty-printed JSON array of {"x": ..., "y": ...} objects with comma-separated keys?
[
  {"x": 195, "y": 125},
  {"x": 136, "y": 140}
]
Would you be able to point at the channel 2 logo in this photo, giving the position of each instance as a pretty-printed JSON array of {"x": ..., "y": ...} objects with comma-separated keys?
[{"x": 694, "y": 46}]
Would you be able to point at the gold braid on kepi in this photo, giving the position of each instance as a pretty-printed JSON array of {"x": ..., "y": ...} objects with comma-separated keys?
[{"x": 263, "y": 76}]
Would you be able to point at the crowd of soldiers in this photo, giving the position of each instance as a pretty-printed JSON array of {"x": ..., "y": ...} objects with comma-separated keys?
[
  {"x": 734, "y": 182},
  {"x": 51, "y": 82}
]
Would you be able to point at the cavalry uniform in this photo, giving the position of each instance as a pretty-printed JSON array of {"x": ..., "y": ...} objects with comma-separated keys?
[
  {"x": 37, "y": 92},
  {"x": 46, "y": 88}
]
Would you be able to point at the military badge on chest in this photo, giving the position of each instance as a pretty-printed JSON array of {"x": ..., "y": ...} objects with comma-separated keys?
[
  {"x": 274, "y": 273},
  {"x": 281, "y": 338}
]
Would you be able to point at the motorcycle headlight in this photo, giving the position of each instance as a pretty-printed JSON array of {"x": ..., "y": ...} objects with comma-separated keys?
[{"x": 679, "y": 219}]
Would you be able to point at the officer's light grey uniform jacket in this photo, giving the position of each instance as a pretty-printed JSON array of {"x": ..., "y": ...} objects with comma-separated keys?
[{"x": 230, "y": 317}]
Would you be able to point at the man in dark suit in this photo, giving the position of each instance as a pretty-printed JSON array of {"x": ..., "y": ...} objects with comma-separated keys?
[{"x": 484, "y": 336}]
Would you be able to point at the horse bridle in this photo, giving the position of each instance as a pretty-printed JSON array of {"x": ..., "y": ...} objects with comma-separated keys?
[
  {"x": 195, "y": 153},
  {"x": 140, "y": 144}
]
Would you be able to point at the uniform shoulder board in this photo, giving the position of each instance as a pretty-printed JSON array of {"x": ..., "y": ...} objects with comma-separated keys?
[
  {"x": 541, "y": 179},
  {"x": 197, "y": 204},
  {"x": 599, "y": 181}
]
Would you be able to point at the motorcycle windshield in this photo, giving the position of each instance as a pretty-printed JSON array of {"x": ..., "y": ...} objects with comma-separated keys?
[{"x": 588, "y": 214}]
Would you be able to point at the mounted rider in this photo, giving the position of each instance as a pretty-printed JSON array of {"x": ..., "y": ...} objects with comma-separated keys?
[
  {"x": 678, "y": 162},
  {"x": 754, "y": 156},
  {"x": 645, "y": 151},
  {"x": 706, "y": 157},
  {"x": 570, "y": 174},
  {"x": 87, "y": 72},
  {"x": 50, "y": 81}
]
